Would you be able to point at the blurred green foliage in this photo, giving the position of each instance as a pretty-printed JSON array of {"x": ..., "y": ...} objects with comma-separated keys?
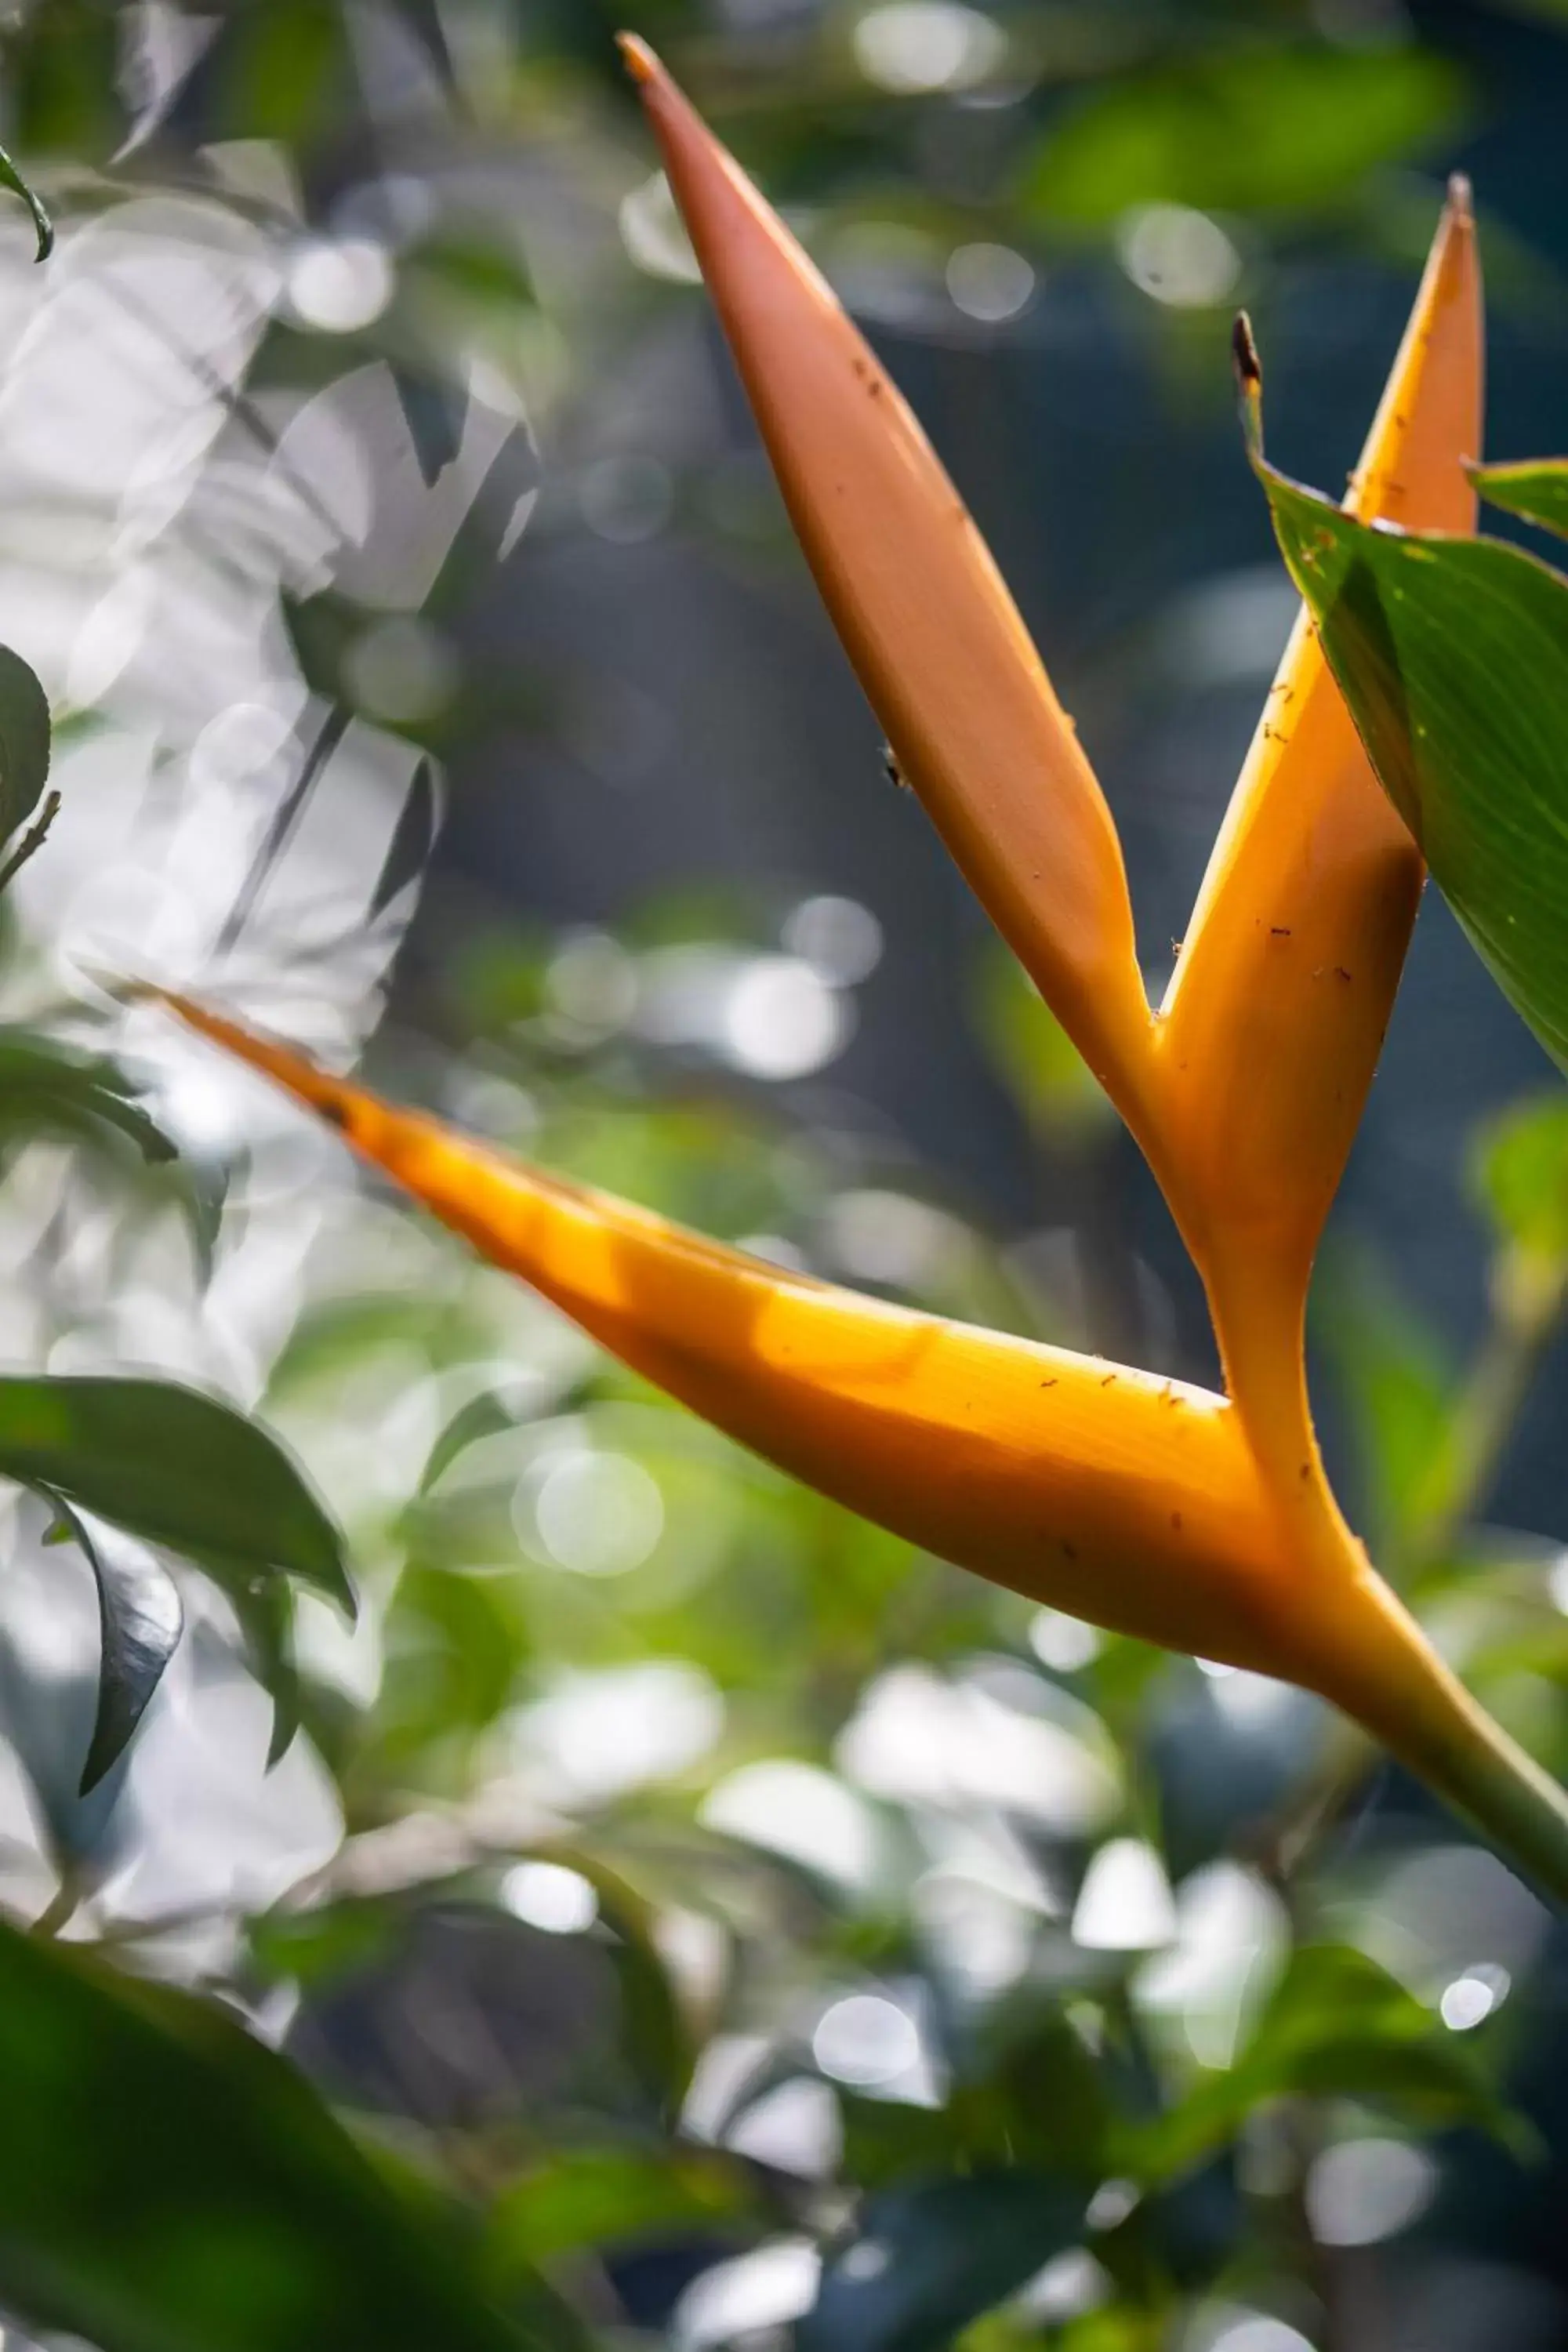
[{"x": 740, "y": 1920}]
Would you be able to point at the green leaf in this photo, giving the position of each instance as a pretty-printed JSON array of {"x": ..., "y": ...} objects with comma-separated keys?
[
  {"x": 168, "y": 2185},
  {"x": 1537, "y": 489},
  {"x": 1033, "y": 1055},
  {"x": 1260, "y": 130},
  {"x": 1452, "y": 656},
  {"x": 613, "y": 2196},
  {"x": 1337, "y": 2026},
  {"x": 454, "y": 1644},
  {"x": 435, "y": 413},
  {"x": 1399, "y": 1392},
  {"x": 175, "y": 1468},
  {"x": 43, "y": 227},
  {"x": 325, "y": 1941},
  {"x": 486, "y": 1415},
  {"x": 24, "y": 741},
  {"x": 928, "y": 2260},
  {"x": 280, "y": 70},
  {"x": 1521, "y": 1172},
  {"x": 140, "y": 1616},
  {"x": 266, "y": 1613},
  {"x": 55, "y": 1089}
]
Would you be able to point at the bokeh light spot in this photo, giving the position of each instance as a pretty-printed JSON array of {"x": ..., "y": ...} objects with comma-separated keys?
[
  {"x": 914, "y": 47},
  {"x": 866, "y": 2041},
  {"x": 990, "y": 283},
  {"x": 1178, "y": 256},
  {"x": 546, "y": 1894},
  {"x": 340, "y": 285}
]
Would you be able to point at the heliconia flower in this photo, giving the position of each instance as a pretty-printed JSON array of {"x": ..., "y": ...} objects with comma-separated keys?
[{"x": 1201, "y": 1522}]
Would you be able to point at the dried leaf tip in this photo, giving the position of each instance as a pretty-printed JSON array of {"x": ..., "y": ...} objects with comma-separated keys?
[
  {"x": 638, "y": 58},
  {"x": 1250, "y": 381}
]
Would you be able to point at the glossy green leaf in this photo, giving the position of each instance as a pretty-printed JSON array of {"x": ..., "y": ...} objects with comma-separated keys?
[
  {"x": 1452, "y": 656},
  {"x": 175, "y": 1468},
  {"x": 1337, "y": 2026},
  {"x": 1538, "y": 490},
  {"x": 1259, "y": 129},
  {"x": 928, "y": 2260},
  {"x": 43, "y": 227},
  {"x": 139, "y": 1616},
  {"x": 24, "y": 742},
  {"x": 169, "y": 2185}
]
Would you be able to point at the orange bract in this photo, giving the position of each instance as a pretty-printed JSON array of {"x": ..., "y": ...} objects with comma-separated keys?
[
  {"x": 922, "y": 611},
  {"x": 1103, "y": 1490},
  {"x": 1273, "y": 1021}
]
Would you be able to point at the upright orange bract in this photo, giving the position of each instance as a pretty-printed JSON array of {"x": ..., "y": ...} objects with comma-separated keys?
[
  {"x": 922, "y": 611},
  {"x": 1198, "y": 1521}
]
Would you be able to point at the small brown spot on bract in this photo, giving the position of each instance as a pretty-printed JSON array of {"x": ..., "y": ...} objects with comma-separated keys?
[
  {"x": 1306, "y": 1470},
  {"x": 1109, "y": 1381},
  {"x": 1339, "y": 973},
  {"x": 1279, "y": 931},
  {"x": 334, "y": 1113},
  {"x": 1070, "y": 1551},
  {"x": 1176, "y": 1521},
  {"x": 1047, "y": 1384}
]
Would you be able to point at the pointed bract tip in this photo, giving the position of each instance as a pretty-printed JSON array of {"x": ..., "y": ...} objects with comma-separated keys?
[
  {"x": 1461, "y": 204},
  {"x": 1249, "y": 384},
  {"x": 638, "y": 58}
]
